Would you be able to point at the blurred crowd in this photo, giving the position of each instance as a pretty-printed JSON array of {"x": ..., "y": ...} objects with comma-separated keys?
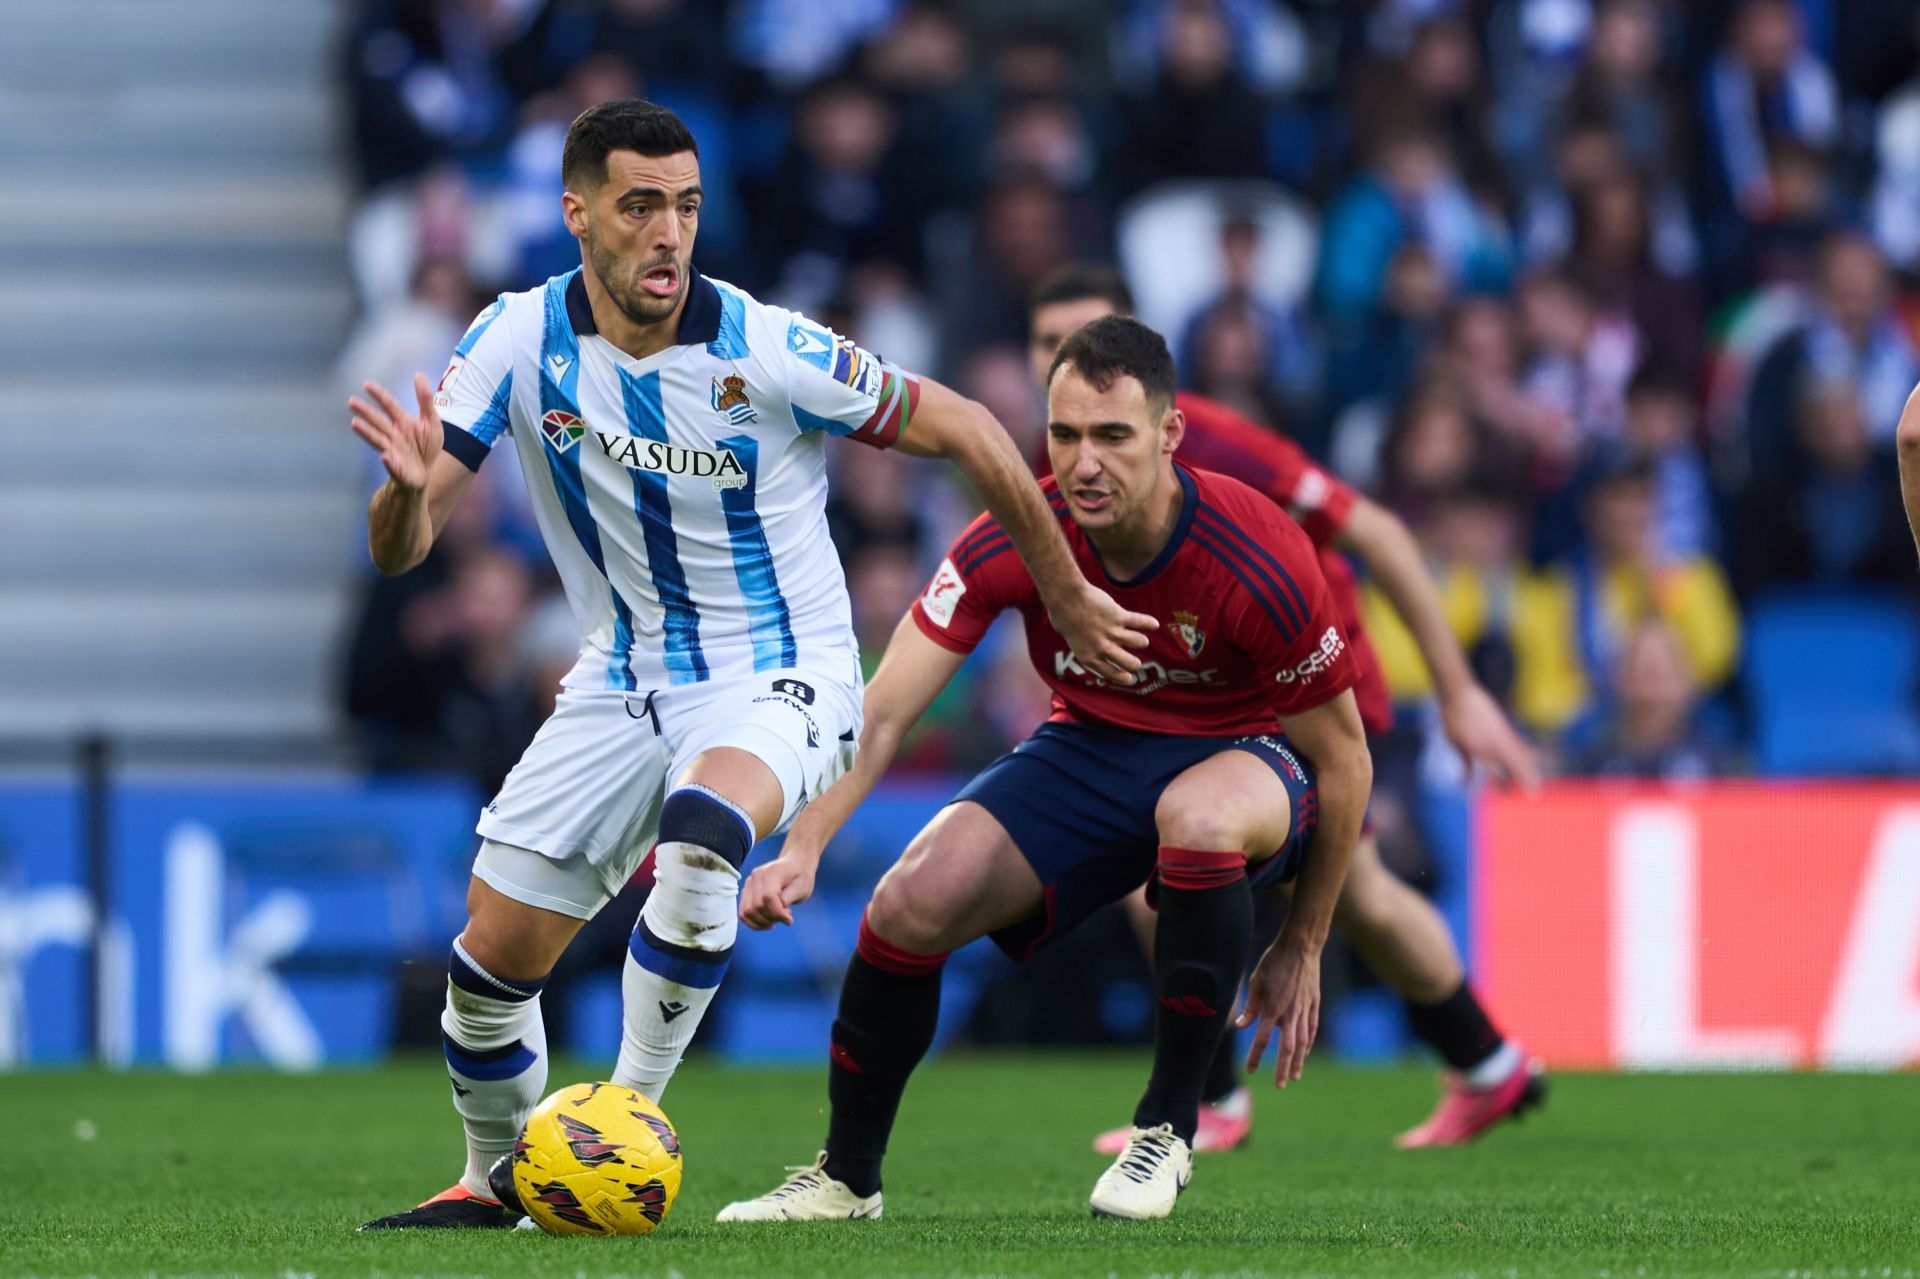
[{"x": 1604, "y": 297}]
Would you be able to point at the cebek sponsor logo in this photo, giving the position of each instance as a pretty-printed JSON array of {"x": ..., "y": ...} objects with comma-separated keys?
[
  {"x": 657, "y": 457},
  {"x": 1322, "y": 660},
  {"x": 943, "y": 594}
]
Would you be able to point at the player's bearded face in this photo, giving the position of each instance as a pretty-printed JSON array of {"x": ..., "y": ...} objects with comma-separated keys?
[
  {"x": 1108, "y": 448},
  {"x": 640, "y": 230}
]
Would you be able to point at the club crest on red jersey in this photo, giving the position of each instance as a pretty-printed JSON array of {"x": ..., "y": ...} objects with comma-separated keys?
[{"x": 1186, "y": 628}]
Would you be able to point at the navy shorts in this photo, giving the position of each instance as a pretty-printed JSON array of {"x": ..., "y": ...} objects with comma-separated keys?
[{"x": 1079, "y": 800}]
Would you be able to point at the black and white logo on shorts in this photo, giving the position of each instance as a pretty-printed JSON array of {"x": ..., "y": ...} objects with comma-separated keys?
[{"x": 799, "y": 690}]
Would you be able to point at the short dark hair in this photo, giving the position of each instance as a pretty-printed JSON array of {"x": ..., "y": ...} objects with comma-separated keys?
[
  {"x": 620, "y": 124},
  {"x": 1117, "y": 346},
  {"x": 1079, "y": 281}
]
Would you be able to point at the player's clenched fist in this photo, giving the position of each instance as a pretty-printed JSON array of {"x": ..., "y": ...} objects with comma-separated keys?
[
  {"x": 406, "y": 442},
  {"x": 772, "y": 890}
]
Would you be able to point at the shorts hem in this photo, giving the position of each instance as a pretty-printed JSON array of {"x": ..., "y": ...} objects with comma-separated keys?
[{"x": 529, "y": 897}]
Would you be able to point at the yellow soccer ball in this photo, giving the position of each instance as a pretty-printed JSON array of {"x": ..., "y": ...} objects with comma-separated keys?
[{"x": 597, "y": 1159}]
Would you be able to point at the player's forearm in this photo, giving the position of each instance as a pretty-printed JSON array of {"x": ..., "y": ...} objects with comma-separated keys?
[
  {"x": 821, "y": 820},
  {"x": 986, "y": 455},
  {"x": 399, "y": 528},
  {"x": 1394, "y": 560},
  {"x": 1344, "y": 785}
]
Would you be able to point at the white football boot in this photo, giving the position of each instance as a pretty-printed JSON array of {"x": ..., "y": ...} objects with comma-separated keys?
[
  {"x": 1149, "y": 1175},
  {"x": 807, "y": 1194}
]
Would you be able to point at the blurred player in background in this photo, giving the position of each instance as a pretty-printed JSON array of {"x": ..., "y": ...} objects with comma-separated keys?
[
  {"x": 1185, "y": 760},
  {"x": 671, "y": 431},
  {"x": 1395, "y": 929}
]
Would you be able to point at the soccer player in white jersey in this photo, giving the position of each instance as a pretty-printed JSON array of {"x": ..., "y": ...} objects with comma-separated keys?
[{"x": 671, "y": 431}]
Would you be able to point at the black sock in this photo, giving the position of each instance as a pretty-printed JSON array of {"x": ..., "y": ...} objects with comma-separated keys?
[
  {"x": 1199, "y": 951},
  {"x": 1457, "y": 1028},
  {"x": 889, "y": 1006},
  {"x": 1223, "y": 1072}
]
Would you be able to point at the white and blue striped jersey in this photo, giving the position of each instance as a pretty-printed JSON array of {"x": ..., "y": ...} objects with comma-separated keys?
[{"x": 683, "y": 496}]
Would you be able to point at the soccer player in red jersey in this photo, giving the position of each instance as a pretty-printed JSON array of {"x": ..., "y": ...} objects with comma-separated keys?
[
  {"x": 1182, "y": 778},
  {"x": 1394, "y": 928}
]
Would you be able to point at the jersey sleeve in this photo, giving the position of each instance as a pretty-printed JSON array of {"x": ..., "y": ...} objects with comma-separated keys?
[
  {"x": 1292, "y": 630},
  {"x": 475, "y": 391},
  {"x": 1309, "y": 492},
  {"x": 1219, "y": 439},
  {"x": 842, "y": 389},
  {"x": 980, "y": 578}
]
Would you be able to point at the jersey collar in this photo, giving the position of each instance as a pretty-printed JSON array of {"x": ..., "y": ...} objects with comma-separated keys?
[
  {"x": 1189, "y": 504},
  {"x": 699, "y": 318}
]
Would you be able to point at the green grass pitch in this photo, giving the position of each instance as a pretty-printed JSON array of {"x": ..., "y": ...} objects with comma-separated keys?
[{"x": 1793, "y": 1177}]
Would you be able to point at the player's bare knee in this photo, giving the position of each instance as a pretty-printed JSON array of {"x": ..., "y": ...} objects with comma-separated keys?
[
  {"x": 1186, "y": 820},
  {"x": 902, "y": 913}
]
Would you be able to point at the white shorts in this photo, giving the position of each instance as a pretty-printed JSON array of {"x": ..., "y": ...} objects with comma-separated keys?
[{"x": 581, "y": 809}]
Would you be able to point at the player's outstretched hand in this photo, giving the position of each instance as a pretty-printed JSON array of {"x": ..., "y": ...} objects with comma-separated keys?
[
  {"x": 771, "y": 891},
  {"x": 1481, "y": 732},
  {"x": 1100, "y": 633},
  {"x": 1283, "y": 997},
  {"x": 406, "y": 442}
]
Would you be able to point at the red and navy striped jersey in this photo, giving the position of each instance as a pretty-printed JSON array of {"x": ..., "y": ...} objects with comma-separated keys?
[
  {"x": 1219, "y": 439},
  {"x": 1248, "y": 629}
]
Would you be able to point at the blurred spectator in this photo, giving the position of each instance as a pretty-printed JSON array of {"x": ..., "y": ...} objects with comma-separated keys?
[
  {"x": 439, "y": 215},
  {"x": 1473, "y": 535},
  {"x": 1557, "y": 214},
  {"x": 394, "y": 341},
  {"x": 1895, "y": 198},
  {"x": 1200, "y": 118},
  {"x": 1410, "y": 193},
  {"x": 1276, "y": 368},
  {"x": 1621, "y": 83},
  {"x": 656, "y": 40},
  {"x": 1268, "y": 43},
  {"x": 1782, "y": 246},
  {"x": 1023, "y": 231},
  {"x": 1832, "y": 516},
  {"x": 1441, "y": 82},
  {"x": 832, "y": 203},
  {"x": 924, "y": 65},
  {"x": 1650, "y": 729},
  {"x": 1578, "y": 359},
  {"x": 1663, "y": 427},
  {"x": 1614, "y": 259},
  {"x": 1855, "y": 331},
  {"x": 1763, "y": 82},
  {"x": 1436, "y": 446},
  {"x": 434, "y": 675},
  {"x": 999, "y": 378},
  {"x": 793, "y": 44},
  {"x": 1377, "y": 359},
  {"x": 1572, "y": 620},
  {"x": 871, "y": 501},
  {"x": 425, "y": 83},
  {"x": 1534, "y": 52},
  {"x": 1481, "y": 354}
]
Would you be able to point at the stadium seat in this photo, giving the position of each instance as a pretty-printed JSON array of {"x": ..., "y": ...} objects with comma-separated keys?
[
  {"x": 1830, "y": 680},
  {"x": 1189, "y": 212}
]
